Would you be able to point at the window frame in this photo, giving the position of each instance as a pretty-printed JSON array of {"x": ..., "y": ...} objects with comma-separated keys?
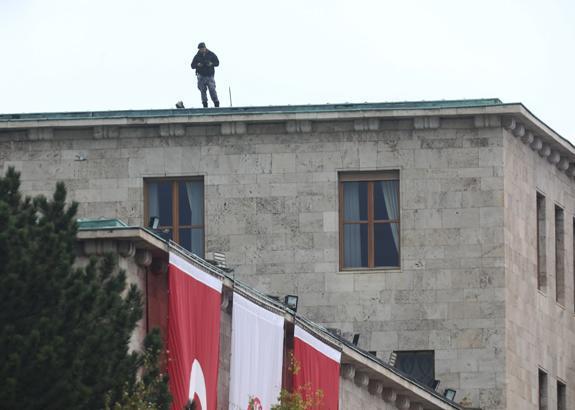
[
  {"x": 175, "y": 227},
  {"x": 415, "y": 353},
  {"x": 559, "y": 226},
  {"x": 541, "y": 240},
  {"x": 542, "y": 390},
  {"x": 370, "y": 177},
  {"x": 561, "y": 395}
]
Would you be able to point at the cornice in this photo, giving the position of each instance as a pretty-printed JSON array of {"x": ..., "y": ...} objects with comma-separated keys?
[{"x": 515, "y": 118}]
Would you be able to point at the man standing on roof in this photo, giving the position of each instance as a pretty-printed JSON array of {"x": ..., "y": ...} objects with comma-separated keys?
[{"x": 204, "y": 62}]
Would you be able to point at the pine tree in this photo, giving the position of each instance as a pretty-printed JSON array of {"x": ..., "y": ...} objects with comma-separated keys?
[{"x": 64, "y": 332}]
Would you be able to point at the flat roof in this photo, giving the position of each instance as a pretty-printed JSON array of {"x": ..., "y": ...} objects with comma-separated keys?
[
  {"x": 311, "y": 112},
  {"x": 283, "y": 109}
]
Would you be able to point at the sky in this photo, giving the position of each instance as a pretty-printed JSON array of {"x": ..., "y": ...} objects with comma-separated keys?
[{"x": 87, "y": 55}]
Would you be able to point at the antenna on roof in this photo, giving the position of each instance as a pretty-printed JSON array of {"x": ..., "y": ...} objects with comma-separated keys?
[{"x": 230, "y": 91}]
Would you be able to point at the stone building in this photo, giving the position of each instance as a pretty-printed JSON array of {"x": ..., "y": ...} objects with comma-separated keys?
[
  {"x": 365, "y": 382},
  {"x": 441, "y": 232}
]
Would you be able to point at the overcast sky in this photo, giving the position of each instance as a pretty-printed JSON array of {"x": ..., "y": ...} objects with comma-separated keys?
[{"x": 77, "y": 55}]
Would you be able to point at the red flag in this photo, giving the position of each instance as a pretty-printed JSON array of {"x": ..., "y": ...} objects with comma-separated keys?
[
  {"x": 318, "y": 366},
  {"x": 193, "y": 334}
]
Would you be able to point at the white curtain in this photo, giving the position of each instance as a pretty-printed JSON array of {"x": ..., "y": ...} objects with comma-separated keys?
[
  {"x": 352, "y": 232},
  {"x": 390, "y": 192},
  {"x": 194, "y": 193},
  {"x": 153, "y": 200}
]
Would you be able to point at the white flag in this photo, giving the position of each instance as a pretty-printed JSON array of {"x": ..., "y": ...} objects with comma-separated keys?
[{"x": 257, "y": 355}]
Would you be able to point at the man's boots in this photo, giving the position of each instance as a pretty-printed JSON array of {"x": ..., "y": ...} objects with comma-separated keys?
[
  {"x": 205, "y": 104},
  {"x": 216, "y": 103}
]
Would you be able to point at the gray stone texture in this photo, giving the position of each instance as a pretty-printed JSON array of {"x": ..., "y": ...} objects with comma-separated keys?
[{"x": 467, "y": 283}]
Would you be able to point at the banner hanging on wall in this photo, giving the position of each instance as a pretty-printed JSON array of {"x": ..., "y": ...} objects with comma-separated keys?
[
  {"x": 257, "y": 355},
  {"x": 193, "y": 334},
  {"x": 317, "y": 369}
]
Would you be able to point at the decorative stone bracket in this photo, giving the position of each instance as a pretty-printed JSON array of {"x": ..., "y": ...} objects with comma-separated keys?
[
  {"x": 551, "y": 151},
  {"x": 143, "y": 258},
  {"x": 35, "y": 134},
  {"x": 233, "y": 128},
  {"x": 347, "y": 371},
  {"x": 487, "y": 121},
  {"x": 426, "y": 122},
  {"x": 361, "y": 379},
  {"x": 296, "y": 126},
  {"x": 376, "y": 388},
  {"x": 102, "y": 132},
  {"x": 100, "y": 247},
  {"x": 366, "y": 124},
  {"x": 172, "y": 130}
]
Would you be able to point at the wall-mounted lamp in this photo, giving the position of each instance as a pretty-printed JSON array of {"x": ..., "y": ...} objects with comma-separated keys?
[
  {"x": 449, "y": 394},
  {"x": 392, "y": 359},
  {"x": 291, "y": 302},
  {"x": 154, "y": 222}
]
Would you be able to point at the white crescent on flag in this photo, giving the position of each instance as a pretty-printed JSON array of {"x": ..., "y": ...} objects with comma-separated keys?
[{"x": 198, "y": 385}]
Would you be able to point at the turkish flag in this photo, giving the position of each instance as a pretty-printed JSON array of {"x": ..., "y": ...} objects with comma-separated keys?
[
  {"x": 318, "y": 369},
  {"x": 193, "y": 334}
]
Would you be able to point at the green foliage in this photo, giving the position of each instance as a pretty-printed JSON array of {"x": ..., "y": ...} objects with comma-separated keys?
[
  {"x": 151, "y": 391},
  {"x": 64, "y": 332},
  {"x": 302, "y": 398}
]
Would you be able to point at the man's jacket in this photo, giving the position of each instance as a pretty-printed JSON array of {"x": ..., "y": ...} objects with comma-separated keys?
[{"x": 204, "y": 63}]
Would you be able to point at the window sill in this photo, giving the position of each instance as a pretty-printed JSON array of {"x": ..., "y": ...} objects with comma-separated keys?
[
  {"x": 374, "y": 270},
  {"x": 542, "y": 292}
]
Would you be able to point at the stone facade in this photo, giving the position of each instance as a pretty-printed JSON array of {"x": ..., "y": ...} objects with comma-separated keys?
[
  {"x": 364, "y": 383},
  {"x": 540, "y": 331},
  {"x": 468, "y": 179}
]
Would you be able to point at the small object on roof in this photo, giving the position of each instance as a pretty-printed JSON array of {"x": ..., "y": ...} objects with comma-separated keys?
[{"x": 180, "y": 105}]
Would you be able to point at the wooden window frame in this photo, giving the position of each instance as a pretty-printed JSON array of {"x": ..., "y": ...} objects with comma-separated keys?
[
  {"x": 175, "y": 227},
  {"x": 370, "y": 177}
]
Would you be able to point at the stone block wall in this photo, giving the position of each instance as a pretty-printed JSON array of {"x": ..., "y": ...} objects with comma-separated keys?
[
  {"x": 272, "y": 207},
  {"x": 540, "y": 331}
]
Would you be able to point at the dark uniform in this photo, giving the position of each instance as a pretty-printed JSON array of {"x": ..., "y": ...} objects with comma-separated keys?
[{"x": 204, "y": 62}]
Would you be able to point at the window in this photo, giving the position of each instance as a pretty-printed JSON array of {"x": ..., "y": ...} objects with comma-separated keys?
[
  {"x": 561, "y": 396},
  {"x": 418, "y": 364},
  {"x": 559, "y": 256},
  {"x": 542, "y": 390},
  {"x": 179, "y": 205},
  {"x": 541, "y": 244},
  {"x": 369, "y": 220}
]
